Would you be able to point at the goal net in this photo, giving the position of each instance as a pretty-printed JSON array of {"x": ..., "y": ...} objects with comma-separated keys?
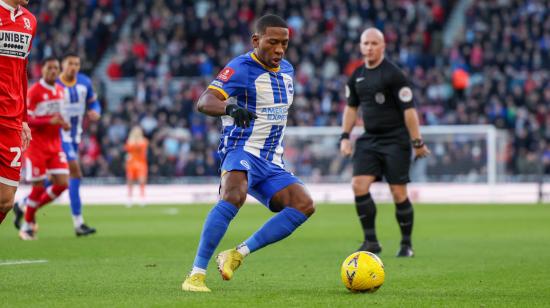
[{"x": 460, "y": 153}]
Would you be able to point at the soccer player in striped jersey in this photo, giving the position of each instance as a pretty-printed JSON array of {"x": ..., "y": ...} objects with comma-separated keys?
[
  {"x": 252, "y": 94},
  {"x": 80, "y": 101}
]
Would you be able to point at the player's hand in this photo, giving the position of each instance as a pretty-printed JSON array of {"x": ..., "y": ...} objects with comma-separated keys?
[
  {"x": 242, "y": 116},
  {"x": 345, "y": 147},
  {"x": 93, "y": 115},
  {"x": 57, "y": 119},
  {"x": 65, "y": 125},
  {"x": 26, "y": 136},
  {"x": 421, "y": 152}
]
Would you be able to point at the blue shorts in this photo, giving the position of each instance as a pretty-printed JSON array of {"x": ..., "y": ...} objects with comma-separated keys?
[
  {"x": 70, "y": 149},
  {"x": 265, "y": 178}
]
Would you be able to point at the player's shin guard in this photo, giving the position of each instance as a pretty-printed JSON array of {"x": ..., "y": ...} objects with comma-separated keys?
[
  {"x": 74, "y": 195},
  {"x": 213, "y": 231},
  {"x": 405, "y": 217},
  {"x": 366, "y": 210},
  {"x": 2, "y": 216},
  {"x": 276, "y": 229}
]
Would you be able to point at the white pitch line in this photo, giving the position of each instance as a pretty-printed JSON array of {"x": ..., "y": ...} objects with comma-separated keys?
[
  {"x": 171, "y": 211},
  {"x": 18, "y": 262}
]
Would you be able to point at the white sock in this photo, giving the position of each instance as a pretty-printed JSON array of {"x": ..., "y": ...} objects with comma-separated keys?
[
  {"x": 78, "y": 220},
  {"x": 243, "y": 249},
  {"x": 197, "y": 270},
  {"x": 25, "y": 226}
]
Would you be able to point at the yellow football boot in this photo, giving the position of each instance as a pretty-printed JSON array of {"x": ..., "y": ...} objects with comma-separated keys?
[
  {"x": 195, "y": 283},
  {"x": 228, "y": 262}
]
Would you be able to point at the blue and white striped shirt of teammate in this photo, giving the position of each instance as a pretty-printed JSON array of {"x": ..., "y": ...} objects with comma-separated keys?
[
  {"x": 267, "y": 92},
  {"x": 79, "y": 97}
]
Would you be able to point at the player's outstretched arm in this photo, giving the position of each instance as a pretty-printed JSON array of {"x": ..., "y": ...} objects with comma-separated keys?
[{"x": 213, "y": 103}]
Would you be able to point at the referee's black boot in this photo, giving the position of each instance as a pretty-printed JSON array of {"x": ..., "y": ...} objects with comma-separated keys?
[
  {"x": 405, "y": 251},
  {"x": 373, "y": 247}
]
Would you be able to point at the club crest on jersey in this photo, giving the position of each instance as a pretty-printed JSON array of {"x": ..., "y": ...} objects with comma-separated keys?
[
  {"x": 380, "y": 98},
  {"x": 225, "y": 74},
  {"x": 27, "y": 23},
  {"x": 290, "y": 88}
]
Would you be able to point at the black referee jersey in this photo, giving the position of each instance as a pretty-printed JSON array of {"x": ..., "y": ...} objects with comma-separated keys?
[{"x": 383, "y": 94}]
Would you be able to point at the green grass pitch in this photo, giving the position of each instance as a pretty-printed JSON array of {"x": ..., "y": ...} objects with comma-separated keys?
[{"x": 466, "y": 256}]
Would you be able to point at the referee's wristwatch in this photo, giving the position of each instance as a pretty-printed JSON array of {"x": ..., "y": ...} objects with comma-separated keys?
[
  {"x": 344, "y": 136},
  {"x": 417, "y": 143}
]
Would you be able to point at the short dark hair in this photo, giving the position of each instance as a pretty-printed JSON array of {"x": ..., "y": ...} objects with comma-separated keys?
[
  {"x": 70, "y": 55},
  {"x": 48, "y": 59},
  {"x": 269, "y": 20}
]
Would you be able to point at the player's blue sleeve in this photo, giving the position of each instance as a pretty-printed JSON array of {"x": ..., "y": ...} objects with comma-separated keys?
[
  {"x": 91, "y": 97},
  {"x": 232, "y": 79},
  {"x": 95, "y": 106}
]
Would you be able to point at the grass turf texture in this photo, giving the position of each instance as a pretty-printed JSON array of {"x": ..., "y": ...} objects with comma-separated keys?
[{"x": 477, "y": 256}]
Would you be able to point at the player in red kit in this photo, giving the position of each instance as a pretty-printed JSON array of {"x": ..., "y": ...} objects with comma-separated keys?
[
  {"x": 17, "y": 29},
  {"x": 45, "y": 155}
]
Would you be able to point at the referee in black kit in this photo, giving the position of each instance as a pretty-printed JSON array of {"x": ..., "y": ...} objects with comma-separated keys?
[{"x": 391, "y": 130}]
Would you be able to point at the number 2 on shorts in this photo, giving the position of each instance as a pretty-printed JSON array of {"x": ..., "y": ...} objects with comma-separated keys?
[{"x": 15, "y": 162}]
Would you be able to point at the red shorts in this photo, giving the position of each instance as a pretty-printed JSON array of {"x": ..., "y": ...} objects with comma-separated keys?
[
  {"x": 10, "y": 156},
  {"x": 135, "y": 172},
  {"x": 39, "y": 164}
]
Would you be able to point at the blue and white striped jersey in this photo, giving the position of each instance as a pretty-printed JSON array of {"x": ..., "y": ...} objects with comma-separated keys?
[
  {"x": 78, "y": 97},
  {"x": 267, "y": 92}
]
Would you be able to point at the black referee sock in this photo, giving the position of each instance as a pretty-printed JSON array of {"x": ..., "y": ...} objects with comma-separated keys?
[
  {"x": 366, "y": 210},
  {"x": 405, "y": 217}
]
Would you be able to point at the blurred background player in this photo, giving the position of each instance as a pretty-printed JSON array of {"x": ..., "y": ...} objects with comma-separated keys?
[
  {"x": 19, "y": 27},
  {"x": 261, "y": 82},
  {"x": 45, "y": 155},
  {"x": 391, "y": 127},
  {"x": 80, "y": 100},
  {"x": 136, "y": 163}
]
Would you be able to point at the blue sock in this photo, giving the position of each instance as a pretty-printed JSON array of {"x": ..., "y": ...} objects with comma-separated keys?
[
  {"x": 74, "y": 194},
  {"x": 215, "y": 225},
  {"x": 276, "y": 229},
  {"x": 47, "y": 183}
]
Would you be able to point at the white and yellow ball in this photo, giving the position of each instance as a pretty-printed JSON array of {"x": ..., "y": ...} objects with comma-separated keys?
[{"x": 363, "y": 271}]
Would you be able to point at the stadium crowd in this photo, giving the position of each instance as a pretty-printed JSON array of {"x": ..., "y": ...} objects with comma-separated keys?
[
  {"x": 86, "y": 27},
  {"x": 496, "y": 72}
]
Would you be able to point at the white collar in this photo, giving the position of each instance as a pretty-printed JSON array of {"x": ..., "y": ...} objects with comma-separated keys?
[
  {"x": 46, "y": 85},
  {"x": 15, "y": 12}
]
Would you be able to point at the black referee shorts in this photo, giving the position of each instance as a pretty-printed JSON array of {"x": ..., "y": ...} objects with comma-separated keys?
[{"x": 390, "y": 160}]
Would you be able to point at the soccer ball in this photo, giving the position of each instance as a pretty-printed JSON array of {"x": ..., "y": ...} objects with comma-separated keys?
[{"x": 363, "y": 271}]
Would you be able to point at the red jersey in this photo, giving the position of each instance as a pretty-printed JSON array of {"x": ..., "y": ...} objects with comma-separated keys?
[
  {"x": 43, "y": 102},
  {"x": 17, "y": 29}
]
